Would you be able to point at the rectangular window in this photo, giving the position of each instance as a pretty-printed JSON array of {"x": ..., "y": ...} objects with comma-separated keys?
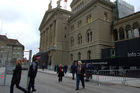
[
  {"x": 72, "y": 27},
  {"x": 105, "y": 16},
  {"x": 89, "y": 18},
  {"x": 79, "y": 23}
]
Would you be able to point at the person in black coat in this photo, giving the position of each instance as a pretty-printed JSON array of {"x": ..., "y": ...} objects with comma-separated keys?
[
  {"x": 73, "y": 70},
  {"x": 65, "y": 68},
  {"x": 80, "y": 74},
  {"x": 32, "y": 74},
  {"x": 16, "y": 77},
  {"x": 60, "y": 73}
]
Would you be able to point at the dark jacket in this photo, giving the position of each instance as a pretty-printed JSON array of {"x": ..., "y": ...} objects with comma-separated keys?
[
  {"x": 17, "y": 74},
  {"x": 33, "y": 69},
  {"x": 73, "y": 69},
  {"x": 60, "y": 72},
  {"x": 83, "y": 70}
]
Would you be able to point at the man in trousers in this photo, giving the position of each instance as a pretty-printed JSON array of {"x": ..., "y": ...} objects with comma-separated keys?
[
  {"x": 80, "y": 75},
  {"x": 32, "y": 74}
]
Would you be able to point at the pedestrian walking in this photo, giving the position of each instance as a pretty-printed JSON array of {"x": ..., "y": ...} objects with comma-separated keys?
[
  {"x": 32, "y": 74},
  {"x": 65, "y": 68},
  {"x": 60, "y": 73},
  {"x": 80, "y": 74},
  {"x": 43, "y": 66},
  {"x": 73, "y": 70},
  {"x": 16, "y": 77}
]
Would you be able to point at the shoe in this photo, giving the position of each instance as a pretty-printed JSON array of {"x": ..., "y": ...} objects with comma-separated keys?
[
  {"x": 83, "y": 87},
  {"x": 26, "y": 91},
  {"x": 29, "y": 92},
  {"x": 76, "y": 89},
  {"x": 34, "y": 90}
]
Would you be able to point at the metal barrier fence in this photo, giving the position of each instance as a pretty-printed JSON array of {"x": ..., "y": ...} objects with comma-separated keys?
[
  {"x": 7, "y": 72},
  {"x": 115, "y": 76}
]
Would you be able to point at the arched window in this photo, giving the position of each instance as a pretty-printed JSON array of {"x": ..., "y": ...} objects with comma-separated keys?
[
  {"x": 128, "y": 32},
  {"x": 136, "y": 29},
  {"x": 71, "y": 56},
  {"x": 89, "y": 36},
  {"x": 115, "y": 33},
  {"x": 121, "y": 33},
  {"x": 79, "y": 56},
  {"x": 79, "y": 39},
  {"x": 105, "y": 16},
  {"x": 89, "y": 55},
  {"x": 72, "y": 41}
]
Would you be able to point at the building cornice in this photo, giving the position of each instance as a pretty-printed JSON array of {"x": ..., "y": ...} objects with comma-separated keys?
[
  {"x": 73, "y": 2},
  {"x": 90, "y": 5},
  {"x": 127, "y": 18},
  {"x": 94, "y": 43}
]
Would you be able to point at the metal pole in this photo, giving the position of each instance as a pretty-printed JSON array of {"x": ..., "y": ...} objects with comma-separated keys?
[
  {"x": 6, "y": 63},
  {"x": 30, "y": 55}
]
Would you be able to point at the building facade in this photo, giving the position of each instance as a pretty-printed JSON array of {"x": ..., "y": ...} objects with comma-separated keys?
[
  {"x": 82, "y": 33},
  {"x": 54, "y": 36},
  {"x": 10, "y": 49}
]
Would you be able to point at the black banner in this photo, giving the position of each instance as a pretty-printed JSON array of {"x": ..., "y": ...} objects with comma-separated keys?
[{"x": 128, "y": 48}]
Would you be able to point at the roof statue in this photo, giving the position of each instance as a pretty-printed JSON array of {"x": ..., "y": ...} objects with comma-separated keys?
[
  {"x": 50, "y": 5},
  {"x": 58, "y": 3}
]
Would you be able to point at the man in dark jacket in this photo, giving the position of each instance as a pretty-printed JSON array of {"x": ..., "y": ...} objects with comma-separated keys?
[
  {"x": 32, "y": 74},
  {"x": 16, "y": 77},
  {"x": 80, "y": 75},
  {"x": 73, "y": 70}
]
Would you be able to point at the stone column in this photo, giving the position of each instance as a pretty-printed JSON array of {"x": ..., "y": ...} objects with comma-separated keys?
[
  {"x": 118, "y": 34},
  {"x": 51, "y": 35},
  {"x": 125, "y": 34},
  {"x": 54, "y": 32},
  {"x": 43, "y": 40},
  {"x": 132, "y": 31},
  {"x": 48, "y": 37},
  {"x": 40, "y": 40}
]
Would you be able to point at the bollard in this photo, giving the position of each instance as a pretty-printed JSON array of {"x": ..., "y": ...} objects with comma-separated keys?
[
  {"x": 124, "y": 80},
  {"x": 1, "y": 76},
  {"x": 22, "y": 73},
  {"x": 97, "y": 79}
]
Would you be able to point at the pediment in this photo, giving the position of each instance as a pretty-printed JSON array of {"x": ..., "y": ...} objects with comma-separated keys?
[{"x": 47, "y": 16}]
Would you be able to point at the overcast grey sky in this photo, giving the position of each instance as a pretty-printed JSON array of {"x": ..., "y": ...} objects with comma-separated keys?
[{"x": 20, "y": 19}]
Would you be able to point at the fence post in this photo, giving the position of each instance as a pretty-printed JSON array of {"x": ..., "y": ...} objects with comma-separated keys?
[
  {"x": 97, "y": 77},
  {"x": 124, "y": 78}
]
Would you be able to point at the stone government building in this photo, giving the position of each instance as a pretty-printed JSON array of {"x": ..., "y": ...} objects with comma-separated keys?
[{"x": 82, "y": 33}]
